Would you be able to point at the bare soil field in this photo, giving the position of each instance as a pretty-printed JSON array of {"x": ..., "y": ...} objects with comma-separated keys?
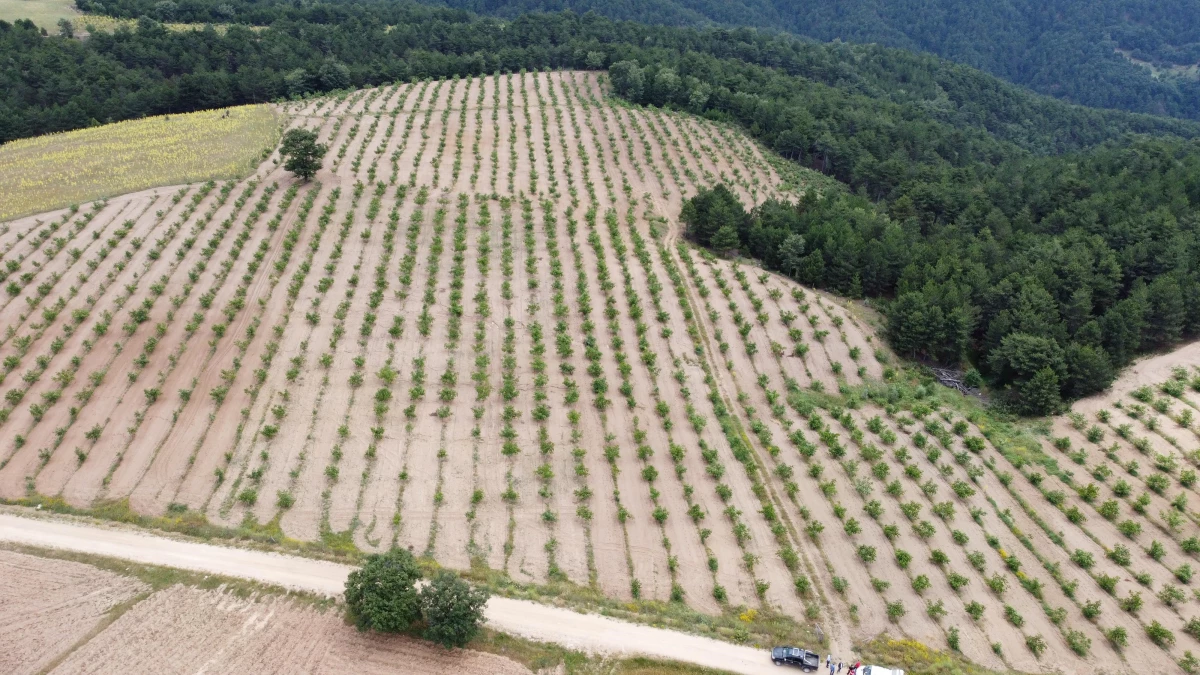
[
  {"x": 52, "y": 609},
  {"x": 186, "y": 630},
  {"x": 479, "y": 334},
  {"x": 46, "y": 606}
]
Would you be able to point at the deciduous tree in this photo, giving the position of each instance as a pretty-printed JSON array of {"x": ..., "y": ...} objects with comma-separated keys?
[
  {"x": 302, "y": 152},
  {"x": 453, "y": 610},
  {"x": 382, "y": 595}
]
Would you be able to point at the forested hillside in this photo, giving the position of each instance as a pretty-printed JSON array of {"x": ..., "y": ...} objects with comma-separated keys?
[
  {"x": 57, "y": 84},
  {"x": 1063, "y": 48}
]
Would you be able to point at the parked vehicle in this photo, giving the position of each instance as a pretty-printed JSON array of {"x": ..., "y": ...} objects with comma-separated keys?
[
  {"x": 880, "y": 670},
  {"x": 794, "y": 656}
]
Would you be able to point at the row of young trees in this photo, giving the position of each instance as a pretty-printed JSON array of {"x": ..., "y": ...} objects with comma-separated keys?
[{"x": 971, "y": 236}]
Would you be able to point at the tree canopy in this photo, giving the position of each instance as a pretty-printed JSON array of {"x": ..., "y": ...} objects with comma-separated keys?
[
  {"x": 1126, "y": 54},
  {"x": 382, "y": 594},
  {"x": 302, "y": 152},
  {"x": 453, "y": 610},
  {"x": 54, "y": 83},
  {"x": 1054, "y": 272}
]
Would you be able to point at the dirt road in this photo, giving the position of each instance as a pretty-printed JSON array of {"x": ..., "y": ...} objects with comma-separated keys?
[{"x": 591, "y": 633}]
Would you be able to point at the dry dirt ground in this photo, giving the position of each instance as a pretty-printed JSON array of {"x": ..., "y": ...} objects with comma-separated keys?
[
  {"x": 46, "y": 606},
  {"x": 228, "y": 628},
  {"x": 53, "y": 614},
  {"x": 477, "y": 335}
]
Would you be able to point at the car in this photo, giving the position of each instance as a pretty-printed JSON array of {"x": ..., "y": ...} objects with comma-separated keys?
[
  {"x": 794, "y": 656},
  {"x": 880, "y": 670}
]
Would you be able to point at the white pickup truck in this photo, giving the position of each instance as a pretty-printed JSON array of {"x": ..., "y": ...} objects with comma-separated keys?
[{"x": 880, "y": 670}]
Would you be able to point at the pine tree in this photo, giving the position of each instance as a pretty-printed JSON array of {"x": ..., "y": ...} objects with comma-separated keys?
[
  {"x": 1089, "y": 370},
  {"x": 725, "y": 240},
  {"x": 1167, "y": 313},
  {"x": 1040, "y": 395}
]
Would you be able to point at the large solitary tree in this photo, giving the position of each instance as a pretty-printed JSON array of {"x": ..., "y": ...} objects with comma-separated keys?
[
  {"x": 302, "y": 152},
  {"x": 382, "y": 595}
]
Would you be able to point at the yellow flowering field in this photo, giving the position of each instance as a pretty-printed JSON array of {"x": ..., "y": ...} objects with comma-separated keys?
[
  {"x": 49, "y": 172},
  {"x": 87, "y": 23}
]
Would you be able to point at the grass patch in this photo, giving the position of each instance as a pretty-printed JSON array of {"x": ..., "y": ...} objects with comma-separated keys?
[
  {"x": 43, "y": 13},
  {"x": 915, "y": 657},
  {"x": 546, "y": 657},
  {"x": 759, "y": 628},
  {"x": 266, "y": 536},
  {"x": 96, "y": 23},
  {"x": 57, "y": 170}
]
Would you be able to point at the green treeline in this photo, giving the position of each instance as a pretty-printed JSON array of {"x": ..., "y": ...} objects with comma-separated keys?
[
  {"x": 1060, "y": 270},
  {"x": 53, "y": 83},
  {"x": 1048, "y": 272},
  {"x": 1062, "y": 48}
]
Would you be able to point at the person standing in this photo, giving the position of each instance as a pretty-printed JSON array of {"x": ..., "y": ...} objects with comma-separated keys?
[{"x": 839, "y": 666}]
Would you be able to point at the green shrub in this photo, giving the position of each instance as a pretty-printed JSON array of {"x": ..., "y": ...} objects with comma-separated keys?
[
  {"x": 1118, "y": 637},
  {"x": 920, "y": 583},
  {"x": 1159, "y": 634},
  {"x": 453, "y": 610},
  {"x": 866, "y": 554},
  {"x": 381, "y": 595},
  {"x": 935, "y": 610},
  {"x": 1133, "y": 603},
  {"x": 1078, "y": 642}
]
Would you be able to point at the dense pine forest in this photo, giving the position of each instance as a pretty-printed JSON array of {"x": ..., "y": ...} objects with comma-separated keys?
[
  {"x": 1043, "y": 242},
  {"x": 1107, "y": 53}
]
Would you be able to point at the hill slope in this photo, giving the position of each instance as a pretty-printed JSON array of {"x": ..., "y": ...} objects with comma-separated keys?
[
  {"x": 1088, "y": 53},
  {"x": 478, "y": 335}
]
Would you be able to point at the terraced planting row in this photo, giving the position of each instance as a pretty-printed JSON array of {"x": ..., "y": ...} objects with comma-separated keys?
[{"x": 478, "y": 334}]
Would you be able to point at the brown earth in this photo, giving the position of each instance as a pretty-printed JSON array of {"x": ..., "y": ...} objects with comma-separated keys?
[
  {"x": 46, "y": 606},
  {"x": 186, "y": 630},
  {"x": 325, "y": 476}
]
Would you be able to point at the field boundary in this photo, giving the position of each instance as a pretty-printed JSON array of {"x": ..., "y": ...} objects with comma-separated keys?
[{"x": 591, "y": 633}]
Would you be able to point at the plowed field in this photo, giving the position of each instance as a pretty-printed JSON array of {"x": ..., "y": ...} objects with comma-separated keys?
[
  {"x": 46, "y": 606},
  {"x": 52, "y": 607}
]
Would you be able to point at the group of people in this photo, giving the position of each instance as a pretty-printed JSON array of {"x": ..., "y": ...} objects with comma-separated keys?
[{"x": 836, "y": 667}]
